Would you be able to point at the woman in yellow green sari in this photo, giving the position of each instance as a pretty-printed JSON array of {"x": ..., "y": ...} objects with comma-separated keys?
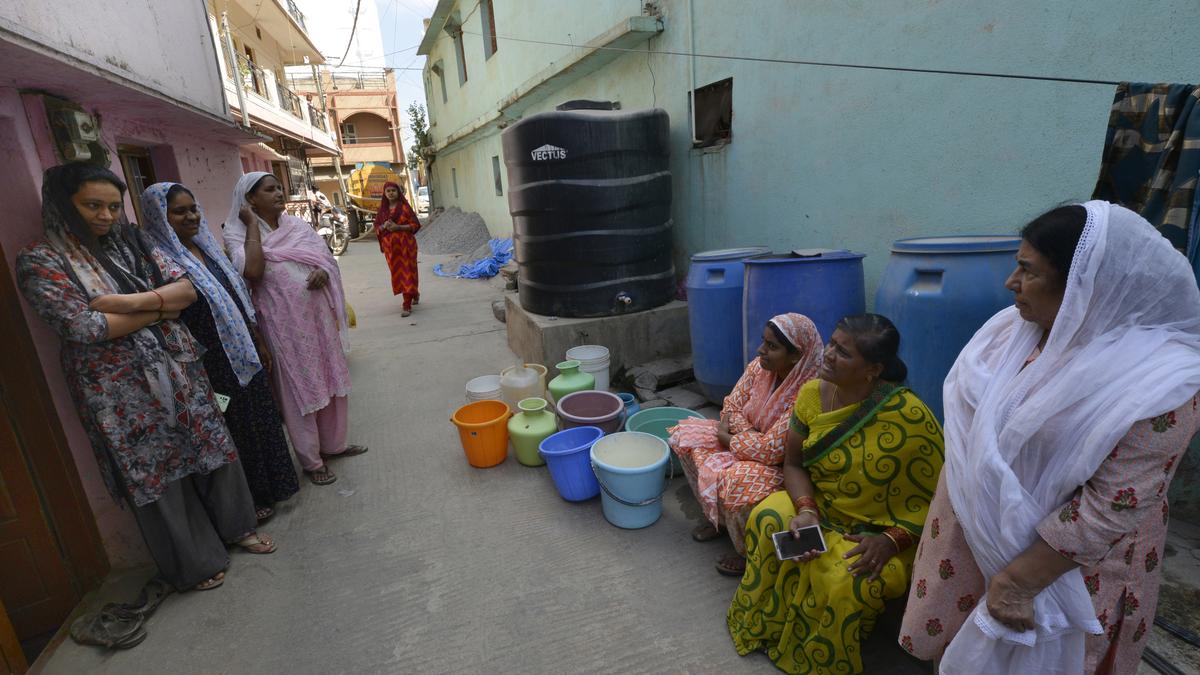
[{"x": 863, "y": 458}]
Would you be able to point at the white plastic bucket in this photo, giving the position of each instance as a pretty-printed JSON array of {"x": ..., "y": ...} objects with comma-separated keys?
[
  {"x": 484, "y": 388},
  {"x": 594, "y": 360}
]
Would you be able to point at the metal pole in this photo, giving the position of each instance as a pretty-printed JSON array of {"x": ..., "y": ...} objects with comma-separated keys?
[
  {"x": 337, "y": 161},
  {"x": 239, "y": 82}
]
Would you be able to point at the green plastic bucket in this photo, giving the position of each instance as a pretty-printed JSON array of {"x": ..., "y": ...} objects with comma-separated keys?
[{"x": 656, "y": 421}]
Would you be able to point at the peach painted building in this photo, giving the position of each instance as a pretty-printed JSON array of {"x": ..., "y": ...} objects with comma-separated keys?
[{"x": 362, "y": 104}]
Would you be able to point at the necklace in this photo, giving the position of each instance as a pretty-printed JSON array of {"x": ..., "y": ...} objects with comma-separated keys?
[{"x": 831, "y": 397}]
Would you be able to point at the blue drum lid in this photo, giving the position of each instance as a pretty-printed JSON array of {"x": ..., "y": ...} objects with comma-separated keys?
[
  {"x": 987, "y": 243},
  {"x": 730, "y": 254},
  {"x": 806, "y": 255}
]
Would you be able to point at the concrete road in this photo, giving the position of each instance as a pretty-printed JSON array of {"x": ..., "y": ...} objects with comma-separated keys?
[{"x": 414, "y": 562}]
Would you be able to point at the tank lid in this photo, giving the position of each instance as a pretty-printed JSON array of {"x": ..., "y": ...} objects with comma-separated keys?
[
  {"x": 958, "y": 244},
  {"x": 807, "y": 254},
  {"x": 730, "y": 253}
]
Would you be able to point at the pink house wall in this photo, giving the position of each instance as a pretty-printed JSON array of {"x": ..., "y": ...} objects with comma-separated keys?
[{"x": 210, "y": 168}]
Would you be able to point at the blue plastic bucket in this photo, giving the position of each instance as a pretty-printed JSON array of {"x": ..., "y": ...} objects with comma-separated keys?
[
  {"x": 566, "y": 455},
  {"x": 629, "y": 468}
]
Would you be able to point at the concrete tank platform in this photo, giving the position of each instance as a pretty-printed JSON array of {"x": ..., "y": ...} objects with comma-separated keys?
[{"x": 632, "y": 339}]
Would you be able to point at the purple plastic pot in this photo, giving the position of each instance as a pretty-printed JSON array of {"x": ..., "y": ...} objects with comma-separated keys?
[{"x": 592, "y": 409}]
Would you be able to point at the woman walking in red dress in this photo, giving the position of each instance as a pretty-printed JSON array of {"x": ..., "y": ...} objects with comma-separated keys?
[{"x": 396, "y": 225}]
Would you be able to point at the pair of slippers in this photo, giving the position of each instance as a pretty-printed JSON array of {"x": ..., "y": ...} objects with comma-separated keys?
[{"x": 121, "y": 625}]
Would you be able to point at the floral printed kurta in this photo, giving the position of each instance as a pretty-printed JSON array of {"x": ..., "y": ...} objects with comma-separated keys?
[
  {"x": 1115, "y": 527},
  {"x": 142, "y": 445}
]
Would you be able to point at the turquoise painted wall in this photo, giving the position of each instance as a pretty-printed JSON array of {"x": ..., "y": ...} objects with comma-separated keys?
[
  {"x": 852, "y": 158},
  {"x": 842, "y": 157}
]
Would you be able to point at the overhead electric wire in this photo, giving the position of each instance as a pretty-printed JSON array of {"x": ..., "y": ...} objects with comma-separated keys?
[
  {"x": 353, "y": 28},
  {"x": 824, "y": 64}
]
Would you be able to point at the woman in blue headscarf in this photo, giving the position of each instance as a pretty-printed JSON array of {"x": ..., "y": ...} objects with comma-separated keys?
[{"x": 223, "y": 320}]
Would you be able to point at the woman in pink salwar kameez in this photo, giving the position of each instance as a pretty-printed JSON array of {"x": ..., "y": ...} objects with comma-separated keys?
[
  {"x": 735, "y": 463},
  {"x": 297, "y": 292}
]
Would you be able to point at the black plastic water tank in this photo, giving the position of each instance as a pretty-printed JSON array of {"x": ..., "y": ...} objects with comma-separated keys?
[{"x": 590, "y": 197}]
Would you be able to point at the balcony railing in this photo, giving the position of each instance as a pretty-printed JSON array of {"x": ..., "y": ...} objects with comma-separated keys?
[
  {"x": 256, "y": 79},
  {"x": 252, "y": 75},
  {"x": 289, "y": 101},
  {"x": 318, "y": 118},
  {"x": 362, "y": 80},
  {"x": 296, "y": 14}
]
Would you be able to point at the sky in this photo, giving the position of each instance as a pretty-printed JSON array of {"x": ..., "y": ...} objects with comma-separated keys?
[{"x": 388, "y": 33}]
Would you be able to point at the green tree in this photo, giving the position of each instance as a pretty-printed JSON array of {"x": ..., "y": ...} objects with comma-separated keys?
[{"x": 423, "y": 144}]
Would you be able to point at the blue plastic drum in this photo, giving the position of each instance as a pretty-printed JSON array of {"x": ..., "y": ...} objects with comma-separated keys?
[
  {"x": 714, "y": 291},
  {"x": 939, "y": 291},
  {"x": 822, "y": 284}
]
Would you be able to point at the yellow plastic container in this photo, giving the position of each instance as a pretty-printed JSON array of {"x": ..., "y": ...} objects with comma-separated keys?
[{"x": 483, "y": 430}]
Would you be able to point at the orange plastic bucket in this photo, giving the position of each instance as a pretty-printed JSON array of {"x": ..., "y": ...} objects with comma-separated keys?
[{"x": 483, "y": 429}]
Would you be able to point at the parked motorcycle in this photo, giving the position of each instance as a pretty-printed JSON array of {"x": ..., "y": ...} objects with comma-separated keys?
[{"x": 334, "y": 228}]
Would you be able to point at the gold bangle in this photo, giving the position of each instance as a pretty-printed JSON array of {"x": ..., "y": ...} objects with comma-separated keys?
[
  {"x": 896, "y": 543},
  {"x": 809, "y": 509},
  {"x": 900, "y": 537}
]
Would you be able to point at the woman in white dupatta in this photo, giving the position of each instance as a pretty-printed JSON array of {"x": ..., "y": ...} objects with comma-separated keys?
[{"x": 1065, "y": 416}]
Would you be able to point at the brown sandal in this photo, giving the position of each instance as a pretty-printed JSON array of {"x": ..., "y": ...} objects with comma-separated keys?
[
  {"x": 260, "y": 544},
  {"x": 350, "y": 451},
  {"x": 210, "y": 583},
  {"x": 731, "y": 565},
  {"x": 321, "y": 476},
  {"x": 705, "y": 532}
]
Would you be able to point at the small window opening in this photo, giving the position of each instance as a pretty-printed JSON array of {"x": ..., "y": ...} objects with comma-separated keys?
[
  {"x": 496, "y": 175},
  {"x": 713, "y": 112}
]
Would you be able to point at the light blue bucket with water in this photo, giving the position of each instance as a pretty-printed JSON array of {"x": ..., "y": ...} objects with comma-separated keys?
[{"x": 629, "y": 468}]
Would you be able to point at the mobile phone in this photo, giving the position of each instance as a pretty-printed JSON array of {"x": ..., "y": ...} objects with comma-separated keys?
[{"x": 788, "y": 547}]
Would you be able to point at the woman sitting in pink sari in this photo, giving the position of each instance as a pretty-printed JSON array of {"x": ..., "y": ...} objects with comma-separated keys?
[
  {"x": 737, "y": 462},
  {"x": 297, "y": 292}
]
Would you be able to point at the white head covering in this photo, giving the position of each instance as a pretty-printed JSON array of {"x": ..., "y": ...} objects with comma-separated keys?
[
  {"x": 231, "y": 326},
  {"x": 234, "y": 229},
  {"x": 1125, "y": 347}
]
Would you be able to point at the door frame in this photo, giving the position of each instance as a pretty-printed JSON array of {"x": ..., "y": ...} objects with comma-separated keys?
[
  {"x": 12, "y": 658},
  {"x": 47, "y": 453}
]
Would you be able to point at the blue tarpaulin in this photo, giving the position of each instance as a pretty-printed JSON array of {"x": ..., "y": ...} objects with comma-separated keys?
[{"x": 484, "y": 268}]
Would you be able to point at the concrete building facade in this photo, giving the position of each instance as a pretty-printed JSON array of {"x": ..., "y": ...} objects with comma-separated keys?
[
  {"x": 267, "y": 36},
  {"x": 840, "y": 126}
]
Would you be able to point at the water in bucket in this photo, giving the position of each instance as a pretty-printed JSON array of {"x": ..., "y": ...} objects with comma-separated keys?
[{"x": 629, "y": 468}]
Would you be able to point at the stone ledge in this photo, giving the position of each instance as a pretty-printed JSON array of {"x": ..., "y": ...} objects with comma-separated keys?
[{"x": 632, "y": 339}]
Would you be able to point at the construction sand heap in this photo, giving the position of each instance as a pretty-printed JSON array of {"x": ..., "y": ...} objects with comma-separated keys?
[{"x": 453, "y": 232}]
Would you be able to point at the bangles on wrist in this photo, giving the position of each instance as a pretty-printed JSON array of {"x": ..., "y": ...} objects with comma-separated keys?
[
  {"x": 161, "y": 302},
  {"x": 806, "y": 504},
  {"x": 900, "y": 537}
]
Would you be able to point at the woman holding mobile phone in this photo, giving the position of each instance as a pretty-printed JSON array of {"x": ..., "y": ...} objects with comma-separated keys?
[{"x": 863, "y": 459}]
